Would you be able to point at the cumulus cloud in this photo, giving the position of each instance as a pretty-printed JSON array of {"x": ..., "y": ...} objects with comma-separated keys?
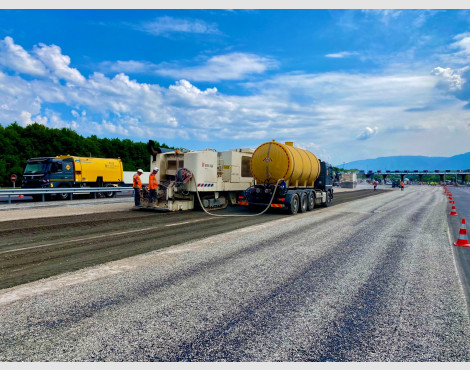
[
  {"x": 452, "y": 79},
  {"x": 367, "y": 133},
  {"x": 169, "y": 25},
  {"x": 18, "y": 59},
  {"x": 233, "y": 66},
  {"x": 58, "y": 63},
  {"x": 337, "y": 112}
]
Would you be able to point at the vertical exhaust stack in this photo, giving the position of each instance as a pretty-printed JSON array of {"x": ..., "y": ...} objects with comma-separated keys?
[{"x": 154, "y": 151}]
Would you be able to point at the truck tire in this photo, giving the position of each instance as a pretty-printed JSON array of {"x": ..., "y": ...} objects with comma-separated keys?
[
  {"x": 311, "y": 202},
  {"x": 328, "y": 200},
  {"x": 303, "y": 203},
  {"x": 294, "y": 205},
  {"x": 63, "y": 196},
  {"x": 109, "y": 194}
]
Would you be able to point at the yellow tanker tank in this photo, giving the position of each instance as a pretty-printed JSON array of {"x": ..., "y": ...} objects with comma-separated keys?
[{"x": 272, "y": 161}]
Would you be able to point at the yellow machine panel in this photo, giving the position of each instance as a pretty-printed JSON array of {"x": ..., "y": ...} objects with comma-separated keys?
[
  {"x": 87, "y": 169},
  {"x": 272, "y": 161}
]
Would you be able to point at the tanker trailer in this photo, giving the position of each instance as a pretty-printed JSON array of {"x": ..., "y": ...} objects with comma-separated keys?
[{"x": 288, "y": 178}]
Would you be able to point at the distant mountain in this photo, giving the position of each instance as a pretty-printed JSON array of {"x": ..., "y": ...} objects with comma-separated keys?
[{"x": 457, "y": 162}]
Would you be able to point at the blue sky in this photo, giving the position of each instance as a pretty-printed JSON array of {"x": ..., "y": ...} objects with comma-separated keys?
[{"x": 344, "y": 84}]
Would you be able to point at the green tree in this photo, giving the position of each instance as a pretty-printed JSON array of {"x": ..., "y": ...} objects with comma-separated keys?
[{"x": 18, "y": 144}]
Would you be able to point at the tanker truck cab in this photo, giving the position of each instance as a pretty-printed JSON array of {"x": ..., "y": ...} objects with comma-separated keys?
[{"x": 325, "y": 181}]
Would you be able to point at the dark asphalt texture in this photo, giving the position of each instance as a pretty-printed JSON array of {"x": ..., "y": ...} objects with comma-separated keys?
[{"x": 71, "y": 250}]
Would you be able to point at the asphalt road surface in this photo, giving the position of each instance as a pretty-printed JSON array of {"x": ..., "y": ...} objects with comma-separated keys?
[
  {"x": 370, "y": 280},
  {"x": 31, "y": 249},
  {"x": 461, "y": 197}
]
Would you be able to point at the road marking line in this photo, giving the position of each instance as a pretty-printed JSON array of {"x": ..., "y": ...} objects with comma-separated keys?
[{"x": 103, "y": 236}]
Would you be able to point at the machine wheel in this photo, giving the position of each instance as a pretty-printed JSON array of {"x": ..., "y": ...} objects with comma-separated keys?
[
  {"x": 311, "y": 202},
  {"x": 303, "y": 203},
  {"x": 294, "y": 205}
]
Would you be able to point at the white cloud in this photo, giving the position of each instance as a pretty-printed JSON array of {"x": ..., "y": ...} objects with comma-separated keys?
[
  {"x": 337, "y": 112},
  {"x": 453, "y": 80},
  {"x": 233, "y": 66},
  {"x": 342, "y": 54},
  {"x": 169, "y": 25},
  {"x": 130, "y": 66},
  {"x": 462, "y": 43},
  {"x": 58, "y": 63},
  {"x": 386, "y": 15},
  {"x": 16, "y": 58},
  {"x": 367, "y": 133}
]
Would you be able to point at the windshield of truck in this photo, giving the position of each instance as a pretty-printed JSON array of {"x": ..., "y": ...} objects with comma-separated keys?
[{"x": 36, "y": 167}]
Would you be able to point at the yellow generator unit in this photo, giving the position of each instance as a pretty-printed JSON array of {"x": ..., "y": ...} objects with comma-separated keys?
[{"x": 272, "y": 161}]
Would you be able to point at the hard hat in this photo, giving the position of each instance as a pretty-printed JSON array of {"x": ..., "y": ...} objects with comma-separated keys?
[
  {"x": 139, "y": 170},
  {"x": 155, "y": 168}
]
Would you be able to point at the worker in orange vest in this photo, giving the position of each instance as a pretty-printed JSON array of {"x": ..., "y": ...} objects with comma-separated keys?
[
  {"x": 153, "y": 186},
  {"x": 402, "y": 185},
  {"x": 375, "y": 185},
  {"x": 137, "y": 185}
]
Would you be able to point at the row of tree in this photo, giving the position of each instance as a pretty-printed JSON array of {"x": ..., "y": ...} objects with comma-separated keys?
[{"x": 18, "y": 144}]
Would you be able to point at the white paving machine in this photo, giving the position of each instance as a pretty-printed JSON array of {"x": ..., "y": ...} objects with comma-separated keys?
[{"x": 191, "y": 179}]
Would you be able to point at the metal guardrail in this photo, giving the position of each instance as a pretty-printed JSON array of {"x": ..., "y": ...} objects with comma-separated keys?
[{"x": 45, "y": 191}]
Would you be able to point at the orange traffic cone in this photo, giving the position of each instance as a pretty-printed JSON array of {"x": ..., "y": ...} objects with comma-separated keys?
[
  {"x": 453, "y": 212},
  {"x": 451, "y": 202},
  {"x": 462, "y": 241}
]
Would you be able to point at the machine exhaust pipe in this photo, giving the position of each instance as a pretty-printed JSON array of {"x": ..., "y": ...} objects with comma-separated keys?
[{"x": 154, "y": 151}]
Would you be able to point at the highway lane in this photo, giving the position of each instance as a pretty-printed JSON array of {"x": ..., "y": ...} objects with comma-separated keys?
[
  {"x": 461, "y": 197},
  {"x": 369, "y": 280},
  {"x": 32, "y": 249}
]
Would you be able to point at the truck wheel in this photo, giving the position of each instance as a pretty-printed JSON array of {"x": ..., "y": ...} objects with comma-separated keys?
[
  {"x": 63, "y": 196},
  {"x": 303, "y": 203},
  {"x": 294, "y": 205},
  {"x": 328, "y": 200},
  {"x": 311, "y": 202},
  {"x": 109, "y": 194}
]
